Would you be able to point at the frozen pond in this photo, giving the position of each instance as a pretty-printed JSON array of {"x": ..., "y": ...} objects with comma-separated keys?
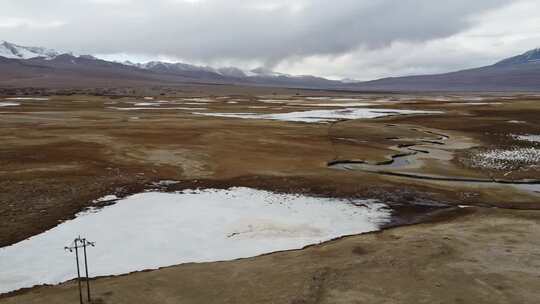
[
  {"x": 321, "y": 116},
  {"x": 155, "y": 229}
]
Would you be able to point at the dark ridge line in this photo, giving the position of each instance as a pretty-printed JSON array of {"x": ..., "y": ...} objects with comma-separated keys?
[{"x": 432, "y": 142}]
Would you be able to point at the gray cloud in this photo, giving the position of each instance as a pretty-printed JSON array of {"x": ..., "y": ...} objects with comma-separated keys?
[{"x": 269, "y": 32}]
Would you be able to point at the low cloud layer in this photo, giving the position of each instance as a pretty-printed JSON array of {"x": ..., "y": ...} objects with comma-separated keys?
[{"x": 304, "y": 36}]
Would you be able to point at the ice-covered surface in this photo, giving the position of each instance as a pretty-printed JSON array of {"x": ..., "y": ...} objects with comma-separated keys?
[
  {"x": 319, "y": 98},
  {"x": 155, "y": 108},
  {"x": 318, "y": 116},
  {"x": 505, "y": 159},
  {"x": 199, "y": 99},
  {"x": 528, "y": 137},
  {"x": 474, "y": 103},
  {"x": 28, "y": 98},
  {"x": 145, "y": 104},
  {"x": 348, "y": 99},
  {"x": 106, "y": 198},
  {"x": 166, "y": 183},
  {"x": 348, "y": 104},
  {"x": 9, "y": 104},
  {"x": 155, "y": 229}
]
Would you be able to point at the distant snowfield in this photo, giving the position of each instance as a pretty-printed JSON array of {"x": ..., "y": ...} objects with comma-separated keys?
[
  {"x": 319, "y": 98},
  {"x": 155, "y": 229},
  {"x": 199, "y": 99},
  {"x": 465, "y": 103},
  {"x": 348, "y": 104},
  {"x": 528, "y": 137},
  {"x": 320, "y": 116},
  {"x": 156, "y": 108},
  {"x": 145, "y": 104},
  {"x": 28, "y": 98},
  {"x": 9, "y": 104}
]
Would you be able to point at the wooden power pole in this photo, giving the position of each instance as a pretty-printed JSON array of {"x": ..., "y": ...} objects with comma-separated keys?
[{"x": 81, "y": 243}]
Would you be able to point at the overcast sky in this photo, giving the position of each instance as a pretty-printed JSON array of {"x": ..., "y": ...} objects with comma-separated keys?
[{"x": 360, "y": 39}]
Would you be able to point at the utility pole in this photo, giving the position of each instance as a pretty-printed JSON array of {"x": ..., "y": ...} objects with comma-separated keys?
[
  {"x": 81, "y": 243},
  {"x": 85, "y": 243}
]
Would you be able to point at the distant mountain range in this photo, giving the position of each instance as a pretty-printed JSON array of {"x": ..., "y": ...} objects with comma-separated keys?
[{"x": 23, "y": 66}]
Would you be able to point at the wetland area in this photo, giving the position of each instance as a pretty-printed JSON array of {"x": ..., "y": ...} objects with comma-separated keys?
[{"x": 272, "y": 196}]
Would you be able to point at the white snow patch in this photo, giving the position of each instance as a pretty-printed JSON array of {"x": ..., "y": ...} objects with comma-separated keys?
[
  {"x": 9, "y": 104},
  {"x": 350, "y": 104},
  {"x": 199, "y": 99},
  {"x": 154, "y": 229},
  {"x": 348, "y": 99},
  {"x": 473, "y": 103},
  {"x": 502, "y": 159},
  {"x": 166, "y": 183},
  {"x": 528, "y": 137},
  {"x": 156, "y": 108},
  {"x": 318, "y": 98},
  {"x": 320, "y": 116},
  {"x": 145, "y": 104},
  {"x": 106, "y": 198},
  {"x": 28, "y": 98}
]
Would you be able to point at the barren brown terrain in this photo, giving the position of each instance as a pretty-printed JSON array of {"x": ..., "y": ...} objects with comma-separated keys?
[{"x": 472, "y": 233}]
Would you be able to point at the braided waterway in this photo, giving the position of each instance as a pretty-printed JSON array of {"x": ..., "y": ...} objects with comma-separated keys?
[{"x": 408, "y": 158}]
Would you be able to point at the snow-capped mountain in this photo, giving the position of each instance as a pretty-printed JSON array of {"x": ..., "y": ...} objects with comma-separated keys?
[
  {"x": 14, "y": 51},
  {"x": 37, "y": 66},
  {"x": 231, "y": 72},
  {"x": 179, "y": 67},
  {"x": 265, "y": 72},
  {"x": 532, "y": 56}
]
